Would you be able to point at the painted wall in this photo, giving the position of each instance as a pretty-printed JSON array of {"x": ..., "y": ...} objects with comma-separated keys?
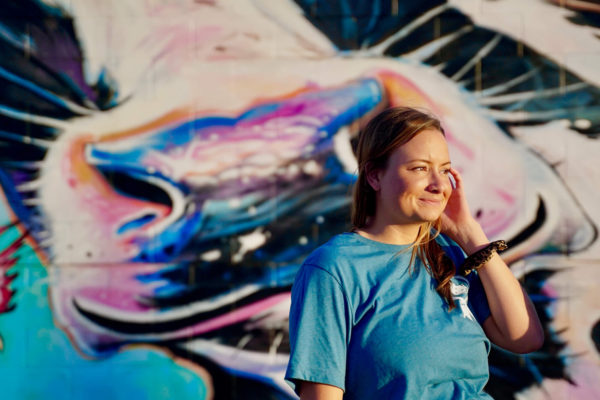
[{"x": 165, "y": 167}]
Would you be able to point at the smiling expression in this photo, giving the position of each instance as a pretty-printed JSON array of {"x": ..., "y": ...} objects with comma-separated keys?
[{"x": 415, "y": 186}]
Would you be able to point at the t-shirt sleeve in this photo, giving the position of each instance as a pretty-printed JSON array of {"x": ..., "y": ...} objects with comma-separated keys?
[
  {"x": 477, "y": 300},
  {"x": 320, "y": 321}
]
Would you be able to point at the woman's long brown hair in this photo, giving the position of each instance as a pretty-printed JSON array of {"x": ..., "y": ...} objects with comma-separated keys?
[{"x": 376, "y": 142}]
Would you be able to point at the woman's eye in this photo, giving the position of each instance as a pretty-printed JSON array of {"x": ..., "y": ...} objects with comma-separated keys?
[
  {"x": 446, "y": 171},
  {"x": 420, "y": 168}
]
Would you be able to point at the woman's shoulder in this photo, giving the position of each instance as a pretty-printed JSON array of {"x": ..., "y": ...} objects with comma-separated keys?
[
  {"x": 340, "y": 256},
  {"x": 337, "y": 249}
]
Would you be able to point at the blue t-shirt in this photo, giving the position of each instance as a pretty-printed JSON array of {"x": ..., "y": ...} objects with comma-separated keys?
[{"x": 363, "y": 321}]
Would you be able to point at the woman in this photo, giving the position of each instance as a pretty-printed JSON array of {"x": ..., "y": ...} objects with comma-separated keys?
[{"x": 391, "y": 310}]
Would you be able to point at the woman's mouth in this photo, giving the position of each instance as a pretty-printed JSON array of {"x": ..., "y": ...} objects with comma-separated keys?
[{"x": 431, "y": 202}]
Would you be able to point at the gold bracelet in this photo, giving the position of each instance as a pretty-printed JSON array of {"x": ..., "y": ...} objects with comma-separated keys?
[{"x": 480, "y": 257}]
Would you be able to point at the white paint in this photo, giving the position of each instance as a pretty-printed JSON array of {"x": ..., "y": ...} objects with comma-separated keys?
[
  {"x": 173, "y": 314},
  {"x": 312, "y": 168},
  {"x": 543, "y": 26},
  {"x": 380, "y": 48},
  {"x": 249, "y": 242},
  {"x": 583, "y": 124},
  {"x": 211, "y": 255},
  {"x": 575, "y": 157},
  {"x": 343, "y": 151},
  {"x": 249, "y": 363}
]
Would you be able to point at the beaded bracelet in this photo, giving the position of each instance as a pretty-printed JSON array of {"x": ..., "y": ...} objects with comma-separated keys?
[{"x": 480, "y": 257}]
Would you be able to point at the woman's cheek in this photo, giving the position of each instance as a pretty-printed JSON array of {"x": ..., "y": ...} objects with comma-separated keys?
[{"x": 448, "y": 187}]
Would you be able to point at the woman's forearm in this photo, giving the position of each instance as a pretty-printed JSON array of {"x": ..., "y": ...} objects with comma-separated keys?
[
  {"x": 511, "y": 308},
  {"x": 518, "y": 326}
]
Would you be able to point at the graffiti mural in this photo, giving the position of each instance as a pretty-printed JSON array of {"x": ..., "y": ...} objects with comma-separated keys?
[{"x": 166, "y": 167}]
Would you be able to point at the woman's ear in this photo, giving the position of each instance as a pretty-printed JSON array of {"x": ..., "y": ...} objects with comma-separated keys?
[{"x": 372, "y": 175}]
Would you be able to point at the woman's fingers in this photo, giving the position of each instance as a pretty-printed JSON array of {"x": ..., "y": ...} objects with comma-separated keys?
[
  {"x": 458, "y": 207},
  {"x": 457, "y": 178}
]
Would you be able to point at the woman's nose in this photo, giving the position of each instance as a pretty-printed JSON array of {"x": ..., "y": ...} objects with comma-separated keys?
[{"x": 437, "y": 181}]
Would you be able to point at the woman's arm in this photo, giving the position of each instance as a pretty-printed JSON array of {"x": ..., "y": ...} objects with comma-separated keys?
[
  {"x": 513, "y": 324},
  {"x": 319, "y": 391}
]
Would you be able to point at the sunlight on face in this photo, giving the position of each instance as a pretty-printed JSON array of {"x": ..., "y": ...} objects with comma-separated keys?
[{"x": 415, "y": 186}]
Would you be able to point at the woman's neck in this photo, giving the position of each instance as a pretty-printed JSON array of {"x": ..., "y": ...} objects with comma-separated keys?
[{"x": 390, "y": 234}]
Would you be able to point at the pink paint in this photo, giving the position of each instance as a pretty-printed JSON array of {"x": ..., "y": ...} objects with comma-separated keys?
[
  {"x": 90, "y": 334},
  {"x": 506, "y": 196},
  {"x": 550, "y": 291},
  {"x": 115, "y": 287},
  {"x": 238, "y": 315},
  {"x": 498, "y": 214},
  {"x": 7, "y": 261},
  {"x": 124, "y": 300},
  {"x": 498, "y": 221},
  {"x": 105, "y": 208},
  {"x": 460, "y": 146},
  {"x": 402, "y": 91}
]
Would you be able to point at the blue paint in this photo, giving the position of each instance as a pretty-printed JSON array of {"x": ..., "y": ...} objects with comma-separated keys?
[
  {"x": 43, "y": 93},
  {"x": 354, "y": 100},
  {"x": 167, "y": 244},
  {"x": 39, "y": 360},
  {"x": 136, "y": 223},
  {"x": 14, "y": 198},
  {"x": 259, "y": 112}
]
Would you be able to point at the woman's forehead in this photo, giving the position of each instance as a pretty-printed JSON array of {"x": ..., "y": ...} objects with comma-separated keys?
[{"x": 429, "y": 144}]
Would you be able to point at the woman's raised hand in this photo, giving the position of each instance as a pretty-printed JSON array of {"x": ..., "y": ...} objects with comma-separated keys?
[{"x": 457, "y": 221}]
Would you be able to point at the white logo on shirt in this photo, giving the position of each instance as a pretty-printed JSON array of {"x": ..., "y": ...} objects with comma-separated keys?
[{"x": 459, "y": 288}]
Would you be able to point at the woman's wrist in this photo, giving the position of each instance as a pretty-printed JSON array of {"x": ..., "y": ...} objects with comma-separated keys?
[
  {"x": 471, "y": 237},
  {"x": 481, "y": 257}
]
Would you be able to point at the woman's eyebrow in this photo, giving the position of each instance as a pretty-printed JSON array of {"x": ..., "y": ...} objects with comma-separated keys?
[{"x": 427, "y": 161}]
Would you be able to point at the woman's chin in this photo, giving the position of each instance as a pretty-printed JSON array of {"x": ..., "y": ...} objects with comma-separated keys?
[{"x": 430, "y": 217}]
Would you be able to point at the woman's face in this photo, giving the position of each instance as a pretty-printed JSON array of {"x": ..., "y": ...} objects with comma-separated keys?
[{"x": 415, "y": 185}]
